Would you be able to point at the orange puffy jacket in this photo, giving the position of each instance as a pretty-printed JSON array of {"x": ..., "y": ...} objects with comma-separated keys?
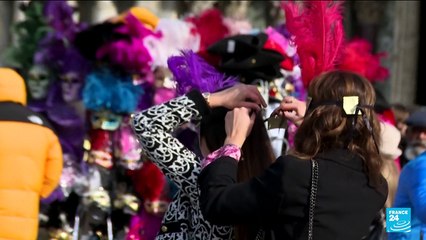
[{"x": 30, "y": 160}]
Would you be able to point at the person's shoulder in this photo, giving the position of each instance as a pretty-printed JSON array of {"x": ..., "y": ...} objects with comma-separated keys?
[
  {"x": 38, "y": 119},
  {"x": 293, "y": 164},
  {"x": 416, "y": 163},
  {"x": 293, "y": 160},
  {"x": 18, "y": 113}
]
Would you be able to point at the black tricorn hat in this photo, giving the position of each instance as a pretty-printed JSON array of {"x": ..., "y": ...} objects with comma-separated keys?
[
  {"x": 239, "y": 46},
  {"x": 243, "y": 55}
]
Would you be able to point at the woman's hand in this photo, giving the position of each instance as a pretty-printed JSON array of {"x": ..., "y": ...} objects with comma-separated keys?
[
  {"x": 238, "y": 124},
  {"x": 240, "y": 95},
  {"x": 292, "y": 109}
]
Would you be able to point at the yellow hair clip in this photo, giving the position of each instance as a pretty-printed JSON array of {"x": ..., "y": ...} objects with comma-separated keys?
[{"x": 350, "y": 104}]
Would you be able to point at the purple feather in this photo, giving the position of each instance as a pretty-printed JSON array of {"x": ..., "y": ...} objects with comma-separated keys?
[
  {"x": 190, "y": 71},
  {"x": 72, "y": 61},
  {"x": 59, "y": 16}
]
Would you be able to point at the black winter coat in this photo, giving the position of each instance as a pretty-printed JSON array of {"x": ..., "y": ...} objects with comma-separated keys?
[{"x": 278, "y": 200}]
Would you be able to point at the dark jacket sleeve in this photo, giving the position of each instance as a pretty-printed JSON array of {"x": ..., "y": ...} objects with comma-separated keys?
[{"x": 224, "y": 201}]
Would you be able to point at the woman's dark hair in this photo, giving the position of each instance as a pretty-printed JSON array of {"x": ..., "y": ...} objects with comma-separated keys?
[
  {"x": 327, "y": 126},
  {"x": 257, "y": 154}
]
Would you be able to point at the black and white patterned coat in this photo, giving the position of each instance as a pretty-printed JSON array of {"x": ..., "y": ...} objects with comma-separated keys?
[{"x": 153, "y": 127}]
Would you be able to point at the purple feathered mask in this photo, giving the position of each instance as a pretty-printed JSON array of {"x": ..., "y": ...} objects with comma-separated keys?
[{"x": 190, "y": 71}]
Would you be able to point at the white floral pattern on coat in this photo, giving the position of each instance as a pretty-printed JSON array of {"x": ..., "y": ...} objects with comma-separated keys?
[{"x": 154, "y": 128}]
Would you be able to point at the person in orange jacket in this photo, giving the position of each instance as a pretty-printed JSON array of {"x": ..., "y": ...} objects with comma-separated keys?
[{"x": 30, "y": 160}]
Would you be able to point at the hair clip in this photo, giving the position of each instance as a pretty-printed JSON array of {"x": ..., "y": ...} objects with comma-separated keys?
[
  {"x": 350, "y": 105},
  {"x": 276, "y": 121}
]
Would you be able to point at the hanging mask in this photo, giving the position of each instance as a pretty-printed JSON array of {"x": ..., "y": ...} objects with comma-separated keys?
[
  {"x": 128, "y": 150},
  {"x": 101, "y": 148},
  {"x": 71, "y": 86},
  {"x": 105, "y": 120},
  {"x": 156, "y": 207},
  {"x": 70, "y": 172},
  {"x": 277, "y": 89},
  {"x": 97, "y": 204},
  {"x": 129, "y": 203},
  {"x": 38, "y": 81},
  {"x": 101, "y": 198}
]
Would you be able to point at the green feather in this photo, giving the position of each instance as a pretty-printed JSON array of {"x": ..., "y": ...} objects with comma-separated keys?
[{"x": 27, "y": 34}]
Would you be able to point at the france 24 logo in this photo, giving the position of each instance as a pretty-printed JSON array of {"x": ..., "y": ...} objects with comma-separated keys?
[{"x": 398, "y": 219}]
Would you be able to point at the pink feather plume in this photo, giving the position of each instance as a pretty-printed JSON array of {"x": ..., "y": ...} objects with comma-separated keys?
[{"x": 318, "y": 30}]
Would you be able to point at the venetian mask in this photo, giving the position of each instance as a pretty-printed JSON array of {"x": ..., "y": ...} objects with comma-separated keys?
[
  {"x": 280, "y": 88},
  {"x": 101, "y": 198},
  {"x": 129, "y": 203},
  {"x": 101, "y": 148},
  {"x": 98, "y": 204},
  {"x": 128, "y": 150},
  {"x": 156, "y": 207},
  {"x": 38, "y": 81},
  {"x": 71, "y": 86},
  {"x": 105, "y": 120}
]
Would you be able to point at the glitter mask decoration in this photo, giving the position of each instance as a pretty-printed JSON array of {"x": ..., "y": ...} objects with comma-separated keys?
[
  {"x": 60, "y": 234},
  {"x": 38, "y": 81},
  {"x": 105, "y": 120}
]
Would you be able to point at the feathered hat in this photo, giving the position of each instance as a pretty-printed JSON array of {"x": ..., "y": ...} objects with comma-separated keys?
[
  {"x": 129, "y": 54},
  {"x": 113, "y": 91}
]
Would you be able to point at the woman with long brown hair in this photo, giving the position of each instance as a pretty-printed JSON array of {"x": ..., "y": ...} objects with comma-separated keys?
[
  {"x": 328, "y": 187},
  {"x": 154, "y": 127}
]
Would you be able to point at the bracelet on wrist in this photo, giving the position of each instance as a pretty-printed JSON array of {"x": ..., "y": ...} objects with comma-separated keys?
[{"x": 206, "y": 96}]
